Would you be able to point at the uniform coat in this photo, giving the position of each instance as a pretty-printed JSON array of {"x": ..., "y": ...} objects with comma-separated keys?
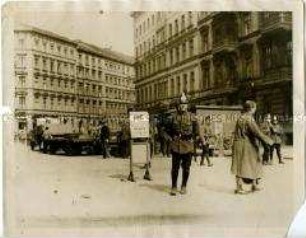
[
  {"x": 184, "y": 126},
  {"x": 246, "y": 161}
]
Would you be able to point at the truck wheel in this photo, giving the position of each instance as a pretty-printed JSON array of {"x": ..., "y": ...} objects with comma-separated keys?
[{"x": 52, "y": 149}]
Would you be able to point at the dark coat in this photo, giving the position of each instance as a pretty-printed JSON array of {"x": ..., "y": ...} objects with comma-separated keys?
[
  {"x": 105, "y": 133},
  {"x": 246, "y": 161},
  {"x": 276, "y": 133}
]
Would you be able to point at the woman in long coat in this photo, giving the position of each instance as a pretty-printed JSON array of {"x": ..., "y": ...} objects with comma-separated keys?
[{"x": 246, "y": 161}]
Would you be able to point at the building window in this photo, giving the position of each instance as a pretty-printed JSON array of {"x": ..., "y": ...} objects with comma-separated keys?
[
  {"x": 36, "y": 40},
  {"x": 171, "y": 57},
  {"x": 185, "y": 83},
  {"x": 191, "y": 47},
  {"x": 192, "y": 82},
  {"x": 44, "y": 64},
  {"x": 172, "y": 87},
  {"x": 178, "y": 85},
  {"x": 205, "y": 41},
  {"x": 21, "y": 43},
  {"x": 183, "y": 22},
  {"x": 36, "y": 98},
  {"x": 59, "y": 49},
  {"x": 184, "y": 50},
  {"x": 176, "y": 26},
  {"x": 22, "y": 101},
  {"x": 71, "y": 69},
  {"x": 52, "y": 65},
  {"x": 248, "y": 67},
  {"x": 177, "y": 54},
  {"x": 36, "y": 80},
  {"x": 289, "y": 53},
  {"x": 20, "y": 61},
  {"x": 45, "y": 46},
  {"x": 21, "y": 81},
  {"x": 247, "y": 21},
  {"x": 170, "y": 30},
  {"x": 190, "y": 17},
  {"x": 36, "y": 61},
  {"x": 267, "y": 57},
  {"x": 59, "y": 67},
  {"x": 52, "y": 102},
  {"x": 44, "y": 102}
]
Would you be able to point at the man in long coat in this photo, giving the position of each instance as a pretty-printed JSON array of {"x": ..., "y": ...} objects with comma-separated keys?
[{"x": 246, "y": 161}]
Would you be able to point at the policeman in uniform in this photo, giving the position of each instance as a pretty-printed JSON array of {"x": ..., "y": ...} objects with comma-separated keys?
[{"x": 182, "y": 130}]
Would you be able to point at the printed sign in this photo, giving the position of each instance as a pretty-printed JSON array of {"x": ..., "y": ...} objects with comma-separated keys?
[{"x": 139, "y": 124}]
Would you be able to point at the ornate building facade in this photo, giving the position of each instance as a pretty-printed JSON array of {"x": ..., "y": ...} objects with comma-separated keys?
[
  {"x": 217, "y": 58},
  {"x": 56, "y": 77}
]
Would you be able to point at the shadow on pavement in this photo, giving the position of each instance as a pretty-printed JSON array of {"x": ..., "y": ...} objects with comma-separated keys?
[
  {"x": 120, "y": 220},
  {"x": 157, "y": 187},
  {"x": 123, "y": 177},
  {"x": 218, "y": 189}
]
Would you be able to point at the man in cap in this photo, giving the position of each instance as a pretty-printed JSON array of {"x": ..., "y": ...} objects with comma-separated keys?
[
  {"x": 182, "y": 130},
  {"x": 276, "y": 134}
]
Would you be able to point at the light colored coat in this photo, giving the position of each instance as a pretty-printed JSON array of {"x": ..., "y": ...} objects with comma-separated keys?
[{"x": 246, "y": 161}]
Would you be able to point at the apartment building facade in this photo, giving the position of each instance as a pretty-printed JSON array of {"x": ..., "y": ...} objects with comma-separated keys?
[
  {"x": 56, "y": 77},
  {"x": 217, "y": 58}
]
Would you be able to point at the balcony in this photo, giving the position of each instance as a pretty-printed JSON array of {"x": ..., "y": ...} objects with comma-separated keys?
[
  {"x": 225, "y": 45},
  {"x": 278, "y": 75},
  {"x": 275, "y": 21}
]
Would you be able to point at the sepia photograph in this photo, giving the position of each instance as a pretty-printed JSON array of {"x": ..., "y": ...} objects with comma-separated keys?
[{"x": 143, "y": 120}]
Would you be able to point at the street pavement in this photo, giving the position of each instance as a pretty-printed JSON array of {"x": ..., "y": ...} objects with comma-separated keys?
[{"x": 89, "y": 196}]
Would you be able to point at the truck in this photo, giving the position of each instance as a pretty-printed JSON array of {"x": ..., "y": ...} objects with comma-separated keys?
[{"x": 58, "y": 137}]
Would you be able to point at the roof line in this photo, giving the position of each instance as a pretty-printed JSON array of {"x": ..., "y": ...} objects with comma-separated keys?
[{"x": 90, "y": 48}]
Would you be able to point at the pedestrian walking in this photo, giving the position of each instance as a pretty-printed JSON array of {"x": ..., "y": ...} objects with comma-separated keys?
[
  {"x": 207, "y": 134},
  {"x": 246, "y": 160},
  {"x": 205, "y": 153},
  {"x": 276, "y": 134},
  {"x": 165, "y": 142},
  {"x": 181, "y": 145},
  {"x": 104, "y": 138},
  {"x": 266, "y": 129},
  {"x": 125, "y": 137}
]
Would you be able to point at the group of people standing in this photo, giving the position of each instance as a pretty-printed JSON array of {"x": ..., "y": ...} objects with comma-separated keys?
[{"x": 274, "y": 130}]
